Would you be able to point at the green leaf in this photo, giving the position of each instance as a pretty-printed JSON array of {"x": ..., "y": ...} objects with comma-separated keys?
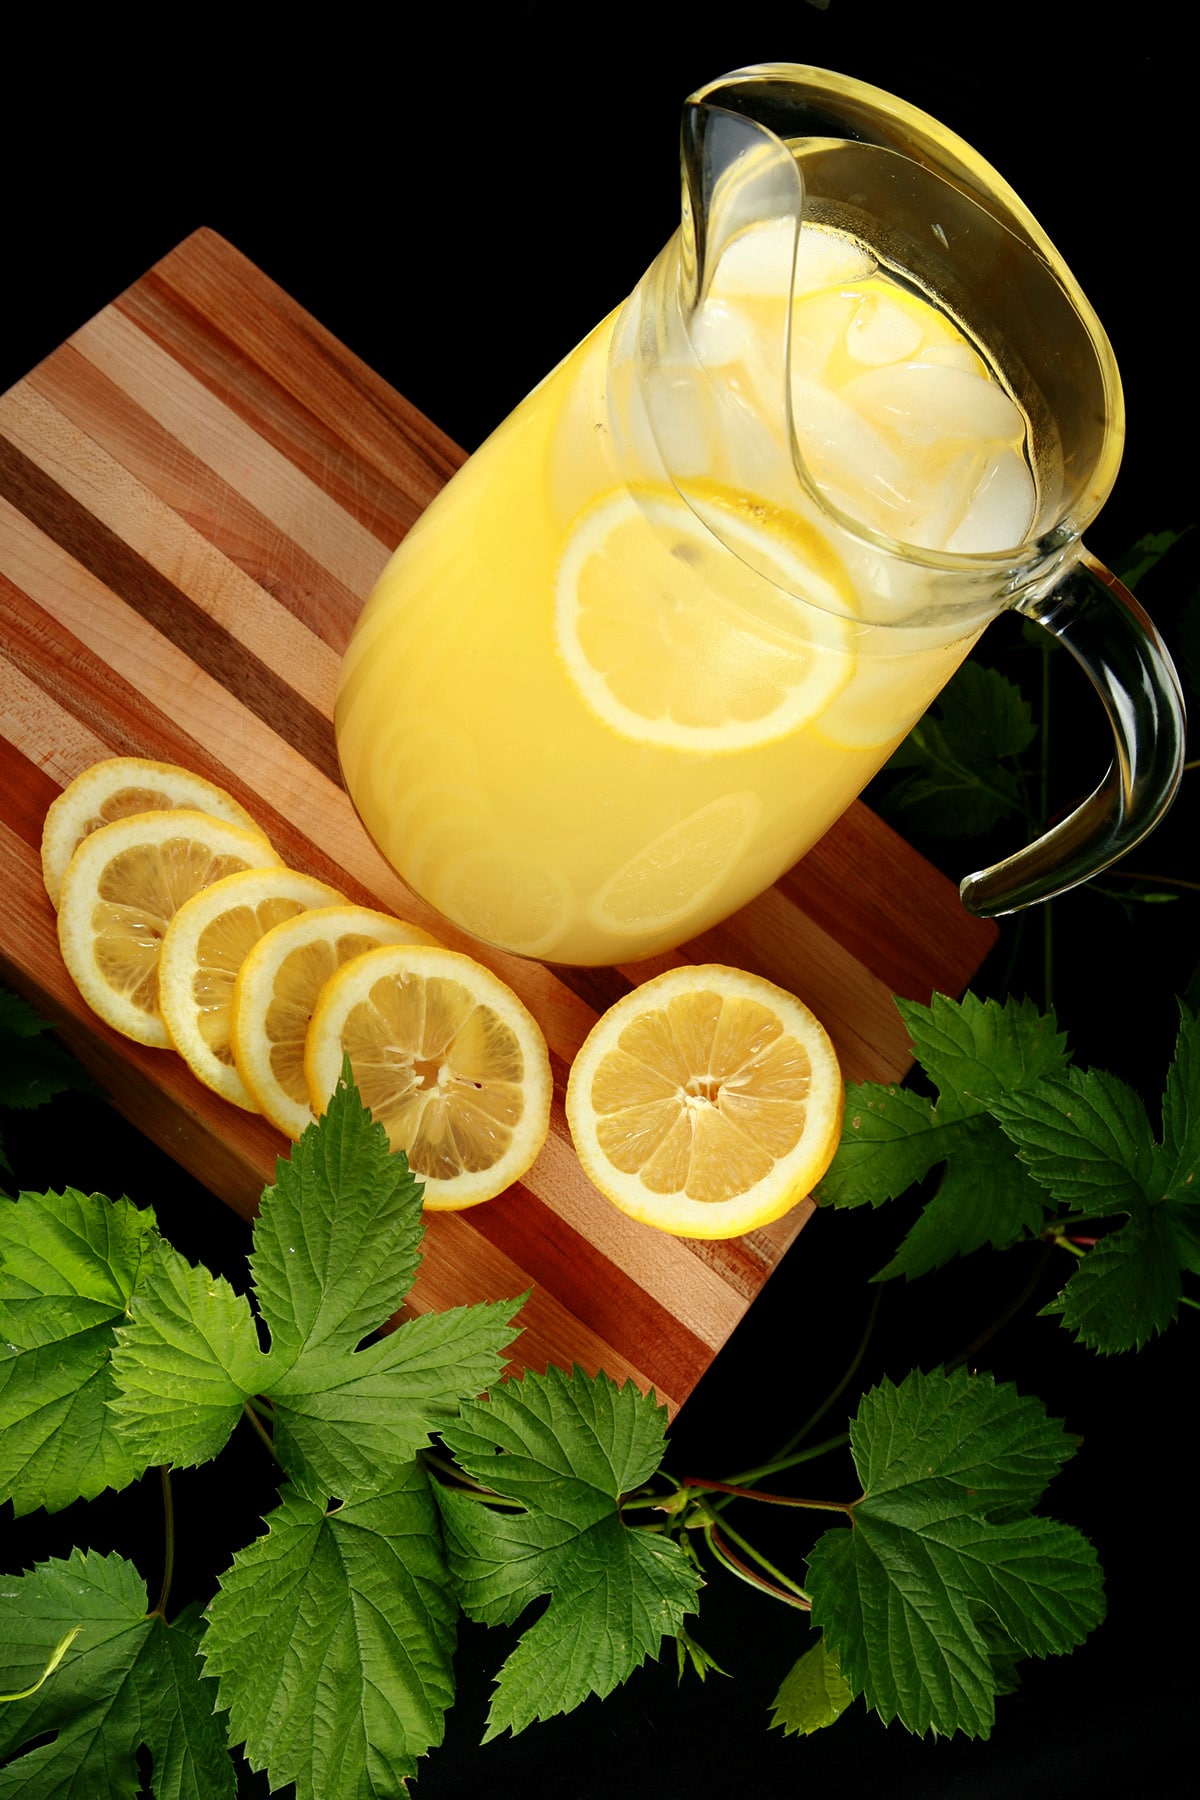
[
  {"x": 984, "y": 1197},
  {"x": 961, "y": 755},
  {"x": 975, "y": 1051},
  {"x": 814, "y": 1693},
  {"x": 332, "y": 1638},
  {"x": 1181, "y": 1112},
  {"x": 344, "y": 1420},
  {"x": 1085, "y": 1138},
  {"x": 1127, "y": 1288},
  {"x": 947, "y": 1577},
  {"x": 890, "y": 1139},
  {"x": 566, "y": 1448},
  {"x": 185, "y": 1364},
  {"x": 690, "y": 1652},
  {"x": 125, "y": 1681},
  {"x": 70, "y": 1264},
  {"x": 34, "y": 1065},
  {"x": 185, "y": 1728},
  {"x": 333, "y": 1273},
  {"x": 336, "y": 1247}
]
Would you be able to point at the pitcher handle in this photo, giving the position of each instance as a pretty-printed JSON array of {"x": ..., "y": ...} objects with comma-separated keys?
[{"x": 1110, "y": 636}]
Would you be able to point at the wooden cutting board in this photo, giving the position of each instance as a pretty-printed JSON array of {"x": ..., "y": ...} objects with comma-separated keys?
[{"x": 197, "y": 492}]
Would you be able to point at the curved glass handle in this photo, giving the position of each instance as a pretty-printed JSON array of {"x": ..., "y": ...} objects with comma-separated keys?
[{"x": 1109, "y": 635}]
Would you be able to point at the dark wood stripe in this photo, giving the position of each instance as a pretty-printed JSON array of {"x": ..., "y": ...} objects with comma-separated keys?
[
  {"x": 165, "y": 607},
  {"x": 601, "y": 988},
  {"x": 27, "y": 791},
  {"x": 597, "y": 1291}
]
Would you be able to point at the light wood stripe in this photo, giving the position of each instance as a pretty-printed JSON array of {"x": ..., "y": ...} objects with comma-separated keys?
[{"x": 300, "y": 511}]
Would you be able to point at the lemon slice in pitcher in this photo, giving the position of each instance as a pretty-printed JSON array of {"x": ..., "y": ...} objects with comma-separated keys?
[
  {"x": 518, "y": 902},
  {"x": 675, "y": 637},
  {"x": 677, "y": 877}
]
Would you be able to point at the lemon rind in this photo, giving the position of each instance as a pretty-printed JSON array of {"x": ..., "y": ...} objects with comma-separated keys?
[
  {"x": 177, "y": 964},
  {"x": 251, "y": 1049},
  {"x": 93, "y": 785},
  {"x": 77, "y": 943}
]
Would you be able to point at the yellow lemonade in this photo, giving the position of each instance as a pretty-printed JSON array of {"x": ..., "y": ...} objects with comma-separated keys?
[{"x": 611, "y": 686}]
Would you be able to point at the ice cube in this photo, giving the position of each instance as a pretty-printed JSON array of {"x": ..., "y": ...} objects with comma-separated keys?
[
  {"x": 922, "y": 402},
  {"x": 818, "y": 324},
  {"x": 883, "y": 330},
  {"x": 828, "y": 259},
  {"x": 958, "y": 355},
  {"x": 757, "y": 261},
  {"x": 718, "y": 332},
  {"x": 853, "y": 462},
  {"x": 1000, "y": 511},
  {"x": 944, "y": 498},
  {"x": 685, "y": 428}
]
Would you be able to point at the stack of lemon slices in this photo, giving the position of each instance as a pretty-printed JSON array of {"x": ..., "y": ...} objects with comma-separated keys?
[
  {"x": 706, "y": 1103},
  {"x": 183, "y": 929}
]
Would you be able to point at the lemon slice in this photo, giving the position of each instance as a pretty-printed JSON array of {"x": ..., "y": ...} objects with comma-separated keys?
[
  {"x": 277, "y": 988},
  {"x": 676, "y": 877},
  {"x": 204, "y": 947},
  {"x": 121, "y": 889},
  {"x": 707, "y": 1102},
  {"x": 115, "y": 789},
  {"x": 446, "y": 1056},
  {"x": 518, "y": 902},
  {"x": 674, "y": 637}
]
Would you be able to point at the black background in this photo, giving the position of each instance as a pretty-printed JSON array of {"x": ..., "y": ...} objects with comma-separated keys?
[{"x": 459, "y": 203}]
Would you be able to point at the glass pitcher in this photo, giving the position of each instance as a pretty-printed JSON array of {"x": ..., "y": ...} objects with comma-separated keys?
[{"x": 662, "y": 628}]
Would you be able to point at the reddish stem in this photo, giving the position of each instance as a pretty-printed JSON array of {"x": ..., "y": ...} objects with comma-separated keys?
[
  {"x": 752, "y": 1575},
  {"x": 747, "y": 1493}
]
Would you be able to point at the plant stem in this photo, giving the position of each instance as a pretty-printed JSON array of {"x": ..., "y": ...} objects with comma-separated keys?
[
  {"x": 1076, "y": 1246},
  {"x": 261, "y": 1429},
  {"x": 763, "y": 1562},
  {"x": 639, "y": 1502},
  {"x": 737, "y": 1567},
  {"x": 787, "y": 1459},
  {"x": 748, "y": 1493},
  {"x": 1174, "y": 881},
  {"x": 168, "y": 1500}
]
